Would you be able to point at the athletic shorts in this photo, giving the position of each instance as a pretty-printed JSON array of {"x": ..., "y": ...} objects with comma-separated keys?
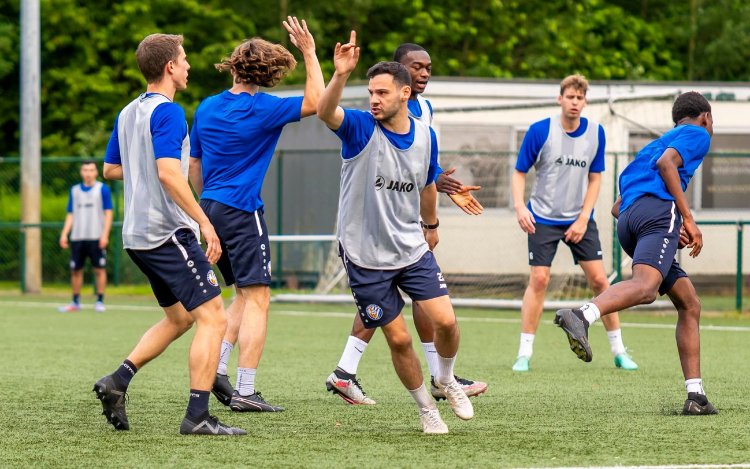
[
  {"x": 178, "y": 270},
  {"x": 543, "y": 244},
  {"x": 80, "y": 250},
  {"x": 649, "y": 231},
  {"x": 376, "y": 291},
  {"x": 245, "y": 249}
]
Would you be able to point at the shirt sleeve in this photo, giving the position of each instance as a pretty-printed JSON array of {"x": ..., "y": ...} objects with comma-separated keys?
[
  {"x": 597, "y": 166},
  {"x": 70, "y": 198},
  {"x": 112, "y": 155},
  {"x": 432, "y": 172},
  {"x": 355, "y": 131},
  {"x": 692, "y": 144},
  {"x": 196, "y": 151},
  {"x": 281, "y": 111},
  {"x": 106, "y": 197},
  {"x": 532, "y": 145},
  {"x": 168, "y": 130}
]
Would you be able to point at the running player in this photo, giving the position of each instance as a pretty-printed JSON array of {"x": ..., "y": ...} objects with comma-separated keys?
[
  {"x": 343, "y": 381},
  {"x": 233, "y": 139},
  {"x": 389, "y": 160},
  {"x": 149, "y": 150},
  {"x": 567, "y": 151},
  {"x": 652, "y": 210}
]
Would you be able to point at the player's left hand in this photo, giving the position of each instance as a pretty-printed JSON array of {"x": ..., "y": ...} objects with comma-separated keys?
[
  {"x": 213, "y": 244},
  {"x": 575, "y": 232},
  {"x": 467, "y": 202},
  {"x": 432, "y": 238},
  {"x": 684, "y": 240},
  {"x": 299, "y": 34},
  {"x": 103, "y": 242},
  {"x": 448, "y": 185}
]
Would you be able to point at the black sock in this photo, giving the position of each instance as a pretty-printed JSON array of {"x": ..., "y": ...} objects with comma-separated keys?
[
  {"x": 76, "y": 298},
  {"x": 198, "y": 403},
  {"x": 341, "y": 374},
  {"x": 100, "y": 297},
  {"x": 125, "y": 373}
]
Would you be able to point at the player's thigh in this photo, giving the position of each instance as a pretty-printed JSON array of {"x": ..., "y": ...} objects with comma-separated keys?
[
  {"x": 685, "y": 291},
  {"x": 97, "y": 255},
  {"x": 375, "y": 293},
  {"x": 397, "y": 334},
  {"x": 543, "y": 244},
  {"x": 425, "y": 284},
  {"x": 589, "y": 248}
]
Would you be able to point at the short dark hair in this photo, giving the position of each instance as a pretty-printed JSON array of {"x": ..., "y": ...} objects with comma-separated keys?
[
  {"x": 691, "y": 104},
  {"x": 399, "y": 73},
  {"x": 154, "y": 52},
  {"x": 87, "y": 162},
  {"x": 404, "y": 49}
]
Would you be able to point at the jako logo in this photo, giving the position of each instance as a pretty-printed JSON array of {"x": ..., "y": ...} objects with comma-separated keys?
[
  {"x": 399, "y": 186},
  {"x": 568, "y": 160},
  {"x": 379, "y": 183}
]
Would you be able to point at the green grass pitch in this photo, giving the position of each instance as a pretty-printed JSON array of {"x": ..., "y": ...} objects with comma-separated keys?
[{"x": 563, "y": 413}]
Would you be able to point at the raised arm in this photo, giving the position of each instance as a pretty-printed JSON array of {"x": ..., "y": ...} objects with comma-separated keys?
[
  {"x": 345, "y": 57},
  {"x": 667, "y": 165},
  {"x": 304, "y": 41}
]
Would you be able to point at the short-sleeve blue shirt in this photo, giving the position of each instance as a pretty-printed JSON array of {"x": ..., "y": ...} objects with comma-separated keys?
[
  {"x": 357, "y": 128},
  {"x": 235, "y": 136},
  {"x": 641, "y": 177}
]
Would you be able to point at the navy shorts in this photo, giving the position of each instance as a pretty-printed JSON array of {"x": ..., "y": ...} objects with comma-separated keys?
[
  {"x": 376, "y": 291},
  {"x": 649, "y": 231},
  {"x": 80, "y": 250},
  {"x": 543, "y": 244},
  {"x": 245, "y": 249},
  {"x": 178, "y": 270}
]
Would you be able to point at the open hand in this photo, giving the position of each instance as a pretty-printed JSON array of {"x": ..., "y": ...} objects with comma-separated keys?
[
  {"x": 467, "y": 202},
  {"x": 299, "y": 34},
  {"x": 346, "y": 56}
]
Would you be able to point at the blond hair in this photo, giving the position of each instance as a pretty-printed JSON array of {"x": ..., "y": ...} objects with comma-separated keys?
[{"x": 577, "y": 82}]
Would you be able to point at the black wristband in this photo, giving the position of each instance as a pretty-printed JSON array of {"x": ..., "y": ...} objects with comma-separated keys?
[{"x": 430, "y": 227}]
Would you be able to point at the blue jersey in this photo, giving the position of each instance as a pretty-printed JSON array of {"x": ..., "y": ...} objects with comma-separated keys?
[
  {"x": 357, "y": 128},
  {"x": 235, "y": 136},
  {"x": 641, "y": 177},
  {"x": 168, "y": 130}
]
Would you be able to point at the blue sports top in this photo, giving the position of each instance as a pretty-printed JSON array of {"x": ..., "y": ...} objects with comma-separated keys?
[
  {"x": 106, "y": 196},
  {"x": 168, "y": 130},
  {"x": 415, "y": 109},
  {"x": 641, "y": 177},
  {"x": 235, "y": 136},
  {"x": 357, "y": 128}
]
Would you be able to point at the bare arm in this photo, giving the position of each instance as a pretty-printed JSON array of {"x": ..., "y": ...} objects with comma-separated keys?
[
  {"x": 195, "y": 174},
  {"x": 113, "y": 171},
  {"x": 171, "y": 178},
  {"x": 616, "y": 207},
  {"x": 304, "y": 41},
  {"x": 66, "y": 231},
  {"x": 576, "y": 231},
  {"x": 523, "y": 215},
  {"x": 345, "y": 59},
  {"x": 667, "y": 165},
  {"x": 428, "y": 213},
  {"x": 104, "y": 238}
]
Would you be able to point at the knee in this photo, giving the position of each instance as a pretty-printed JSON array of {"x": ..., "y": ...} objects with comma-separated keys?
[
  {"x": 182, "y": 323},
  {"x": 538, "y": 281},
  {"x": 690, "y": 309},
  {"x": 400, "y": 343},
  {"x": 647, "y": 293},
  {"x": 599, "y": 283},
  {"x": 446, "y": 322}
]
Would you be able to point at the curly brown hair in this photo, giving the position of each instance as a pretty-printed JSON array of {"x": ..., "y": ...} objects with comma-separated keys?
[{"x": 258, "y": 62}]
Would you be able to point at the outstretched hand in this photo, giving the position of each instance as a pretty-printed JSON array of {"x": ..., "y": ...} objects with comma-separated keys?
[
  {"x": 346, "y": 56},
  {"x": 299, "y": 34},
  {"x": 467, "y": 202},
  {"x": 448, "y": 185}
]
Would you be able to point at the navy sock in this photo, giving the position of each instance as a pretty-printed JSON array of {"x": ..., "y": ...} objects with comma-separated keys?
[
  {"x": 198, "y": 403},
  {"x": 125, "y": 373},
  {"x": 76, "y": 298},
  {"x": 100, "y": 297}
]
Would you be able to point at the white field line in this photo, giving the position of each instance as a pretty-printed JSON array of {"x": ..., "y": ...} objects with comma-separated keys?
[{"x": 334, "y": 314}]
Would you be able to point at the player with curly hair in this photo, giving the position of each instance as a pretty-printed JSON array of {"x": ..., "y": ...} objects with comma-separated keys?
[{"x": 233, "y": 139}]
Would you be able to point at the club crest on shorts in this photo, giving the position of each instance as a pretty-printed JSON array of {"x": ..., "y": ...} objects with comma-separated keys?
[
  {"x": 211, "y": 277},
  {"x": 374, "y": 312}
]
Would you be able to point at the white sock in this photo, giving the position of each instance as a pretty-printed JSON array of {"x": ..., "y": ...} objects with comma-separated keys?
[
  {"x": 352, "y": 354},
  {"x": 422, "y": 398},
  {"x": 590, "y": 312},
  {"x": 615, "y": 342},
  {"x": 445, "y": 369},
  {"x": 430, "y": 353},
  {"x": 694, "y": 385},
  {"x": 526, "y": 348},
  {"x": 246, "y": 381},
  {"x": 226, "y": 350}
]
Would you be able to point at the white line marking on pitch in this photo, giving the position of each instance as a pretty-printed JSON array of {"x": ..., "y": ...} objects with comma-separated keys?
[{"x": 334, "y": 314}]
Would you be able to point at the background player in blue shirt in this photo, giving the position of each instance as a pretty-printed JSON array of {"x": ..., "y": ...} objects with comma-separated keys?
[
  {"x": 233, "y": 139},
  {"x": 88, "y": 223},
  {"x": 343, "y": 381},
  {"x": 651, "y": 209},
  {"x": 567, "y": 151}
]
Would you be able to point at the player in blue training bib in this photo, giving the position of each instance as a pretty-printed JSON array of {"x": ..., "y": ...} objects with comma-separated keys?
[
  {"x": 387, "y": 186},
  {"x": 343, "y": 381},
  {"x": 233, "y": 139},
  {"x": 654, "y": 220},
  {"x": 567, "y": 151}
]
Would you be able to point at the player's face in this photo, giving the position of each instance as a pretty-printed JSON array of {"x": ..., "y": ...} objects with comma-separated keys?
[
  {"x": 420, "y": 68},
  {"x": 386, "y": 97},
  {"x": 572, "y": 102},
  {"x": 179, "y": 69},
  {"x": 89, "y": 174}
]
